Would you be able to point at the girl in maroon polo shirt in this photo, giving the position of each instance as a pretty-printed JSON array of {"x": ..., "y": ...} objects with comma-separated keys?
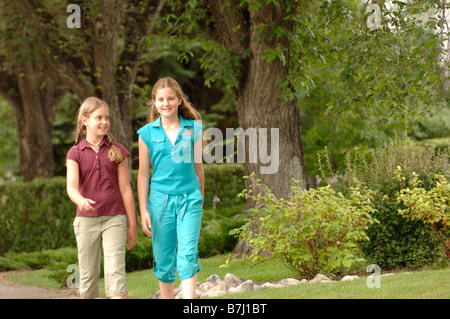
[{"x": 98, "y": 183}]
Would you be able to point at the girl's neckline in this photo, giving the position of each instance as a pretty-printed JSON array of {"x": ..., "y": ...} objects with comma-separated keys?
[
  {"x": 170, "y": 122},
  {"x": 95, "y": 147}
]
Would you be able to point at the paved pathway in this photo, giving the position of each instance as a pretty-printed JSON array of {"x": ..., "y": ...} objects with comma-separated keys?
[{"x": 11, "y": 290}]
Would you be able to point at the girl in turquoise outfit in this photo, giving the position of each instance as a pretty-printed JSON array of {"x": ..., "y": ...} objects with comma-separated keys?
[{"x": 171, "y": 212}]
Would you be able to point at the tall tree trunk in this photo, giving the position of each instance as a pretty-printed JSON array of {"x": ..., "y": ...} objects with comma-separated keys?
[
  {"x": 115, "y": 64},
  {"x": 258, "y": 95},
  {"x": 107, "y": 30},
  {"x": 33, "y": 114},
  {"x": 260, "y": 106}
]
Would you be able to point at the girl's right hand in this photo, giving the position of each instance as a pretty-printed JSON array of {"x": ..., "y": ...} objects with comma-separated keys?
[
  {"x": 86, "y": 205},
  {"x": 146, "y": 224}
]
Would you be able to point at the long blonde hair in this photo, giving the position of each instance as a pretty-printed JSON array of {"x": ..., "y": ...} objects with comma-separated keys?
[
  {"x": 186, "y": 109},
  {"x": 89, "y": 106}
]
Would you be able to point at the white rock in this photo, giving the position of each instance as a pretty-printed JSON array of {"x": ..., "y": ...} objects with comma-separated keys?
[
  {"x": 320, "y": 278},
  {"x": 245, "y": 286},
  {"x": 349, "y": 277},
  {"x": 213, "y": 279},
  {"x": 217, "y": 288},
  {"x": 270, "y": 285},
  {"x": 388, "y": 274},
  {"x": 205, "y": 286},
  {"x": 212, "y": 294},
  {"x": 288, "y": 282},
  {"x": 232, "y": 281},
  {"x": 233, "y": 290},
  {"x": 157, "y": 295}
]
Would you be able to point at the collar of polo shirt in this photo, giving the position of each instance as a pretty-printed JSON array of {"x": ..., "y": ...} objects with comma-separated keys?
[{"x": 183, "y": 122}]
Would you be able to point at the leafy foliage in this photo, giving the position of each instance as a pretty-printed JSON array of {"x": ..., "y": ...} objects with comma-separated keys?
[
  {"x": 216, "y": 225},
  {"x": 395, "y": 241},
  {"x": 386, "y": 80},
  {"x": 432, "y": 207},
  {"x": 35, "y": 215},
  {"x": 395, "y": 63},
  {"x": 312, "y": 231}
]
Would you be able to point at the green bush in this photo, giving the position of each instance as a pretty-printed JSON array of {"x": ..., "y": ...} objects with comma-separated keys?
[
  {"x": 8, "y": 264},
  {"x": 140, "y": 256},
  {"x": 225, "y": 182},
  {"x": 216, "y": 225},
  {"x": 58, "y": 262},
  {"x": 35, "y": 215},
  {"x": 396, "y": 241},
  {"x": 57, "y": 259},
  {"x": 432, "y": 207},
  {"x": 312, "y": 231}
]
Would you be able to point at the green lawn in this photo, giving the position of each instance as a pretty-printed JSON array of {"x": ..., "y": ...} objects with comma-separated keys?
[{"x": 404, "y": 285}]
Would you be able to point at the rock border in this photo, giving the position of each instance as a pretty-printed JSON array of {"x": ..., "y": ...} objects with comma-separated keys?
[{"x": 216, "y": 286}]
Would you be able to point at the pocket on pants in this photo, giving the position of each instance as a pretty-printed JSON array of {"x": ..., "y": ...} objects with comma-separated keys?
[
  {"x": 156, "y": 205},
  {"x": 76, "y": 227},
  {"x": 198, "y": 199},
  {"x": 200, "y": 193}
]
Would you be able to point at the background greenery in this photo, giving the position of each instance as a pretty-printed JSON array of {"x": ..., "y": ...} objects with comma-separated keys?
[{"x": 361, "y": 93}]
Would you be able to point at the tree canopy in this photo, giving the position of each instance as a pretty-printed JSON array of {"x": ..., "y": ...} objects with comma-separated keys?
[{"x": 315, "y": 70}]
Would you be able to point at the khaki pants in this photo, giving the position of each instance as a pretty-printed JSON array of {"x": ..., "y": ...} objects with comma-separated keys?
[{"x": 93, "y": 233}]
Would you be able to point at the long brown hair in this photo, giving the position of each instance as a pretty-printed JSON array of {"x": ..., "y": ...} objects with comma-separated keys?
[
  {"x": 186, "y": 109},
  {"x": 89, "y": 106}
]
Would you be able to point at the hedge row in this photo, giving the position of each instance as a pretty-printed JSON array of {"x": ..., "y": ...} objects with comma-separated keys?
[{"x": 39, "y": 215}]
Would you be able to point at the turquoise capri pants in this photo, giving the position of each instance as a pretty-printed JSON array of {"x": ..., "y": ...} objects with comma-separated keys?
[{"x": 176, "y": 221}]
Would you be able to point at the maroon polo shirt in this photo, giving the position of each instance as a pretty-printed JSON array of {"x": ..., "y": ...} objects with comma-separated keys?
[{"x": 98, "y": 178}]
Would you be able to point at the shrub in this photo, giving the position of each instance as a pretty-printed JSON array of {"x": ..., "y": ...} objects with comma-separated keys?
[
  {"x": 214, "y": 234},
  {"x": 56, "y": 261},
  {"x": 35, "y": 215},
  {"x": 312, "y": 231},
  {"x": 141, "y": 256},
  {"x": 8, "y": 264},
  {"x": 432, "y": 207},
  {"x": 223, "y": 181},
  {"x": 396, "y": 241}
]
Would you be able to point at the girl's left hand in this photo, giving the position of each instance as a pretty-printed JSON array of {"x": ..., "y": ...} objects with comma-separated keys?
[
  {"x": 85, "y": 205},
  {"x": 131, "y": 238}
]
